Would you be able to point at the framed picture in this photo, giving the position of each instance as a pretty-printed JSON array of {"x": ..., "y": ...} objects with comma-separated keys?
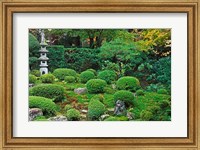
[{"x": 103, "y": 74}]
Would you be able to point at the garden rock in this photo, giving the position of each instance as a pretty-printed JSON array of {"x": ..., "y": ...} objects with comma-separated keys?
[
  {"x": 34, "y": 112},
  {"x": 84, "y": 111},
  {"x": 80, "y": 90},
  {"x": 120, "y": 108},
  {"x": 58, "y": 118},
  {"x": 103, "y": 117}
]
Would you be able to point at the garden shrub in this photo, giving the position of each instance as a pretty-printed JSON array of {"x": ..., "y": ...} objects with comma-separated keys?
[
  {"x": 47, "y": 78},
  {"x": 73, "y": 115},
  {"x": 35, "y": 72},
  {"x": 99, "y": 97},
  {"x": 95, "y": 109},
  {"x": 126, "y": 96},
  {"x": 109, "y": 100},
  {"x": 47, "y": 106},
  {"x": 164, "y": 104},
  {"x": 107, "y": 75},
  {"x": 67, "y": 107},
  {"x": 95, "y": 86},
  {"x": 146, "y": 115},
  {"x": 52, "y": 91},
  {"x": 70, "y": 79},
  {"x": 40, "y": 118},
  {"x": 109, "y": 90},
  {"x": 128, "y": 83},
  {"x": 162, "y": 91},
  {"x": 86, "y": 76},
  {"x": 56, "y": 57},
  {"x": 121, "y": 118},
  {"x": 92, "y": 70},
  {"x": 60, "y": 73},
  {"x": 139, "y": 92},
  {"x": 32, "y": 78}
]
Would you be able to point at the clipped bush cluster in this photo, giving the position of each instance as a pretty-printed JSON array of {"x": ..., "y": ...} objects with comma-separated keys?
[
  {"x": 146, "y": 115},
  {"x": 95, "y": 109},
  {"x": 52, "y": 91},
  {"x": 128, "y": 83},
  {"x": 86, "y": 76},
  {"x": 73, "y": 115},
  {"x": 107, "y": 75},
  {"x": 162, "y": 91},
  {"x": 139, "y": 92},
  {"x": 47, "y": 78},
  {"x": 35, "y": 72},
  {"x": 70, "y": 79},
  {"x": 99, "y": 97},
  {"x": 95, "y": 86},
  {"x": 60, "y": 73},
  {"x": 92, "y": 70},
  {"x": 126, "y": 96},
  {"x": 32, "y": 78},
  {"x": 67, "y": 107},
  {"x": 47, "y": 105}
]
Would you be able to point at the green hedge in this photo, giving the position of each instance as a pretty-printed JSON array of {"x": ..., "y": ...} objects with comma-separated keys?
[
  {"x": 73, "y": 115},
  {"x": 32, "y": 78},
  {"x": 55, "y": 92},
  {"x": 162, "y": 91},
  {"x": 61, "y": 73},
  {"x": 56, "y": 57},
  {"x": 86, "y": 76},
  {"x": 128, "y": 83},
  {"x": 35, "y": 72},
  {"x": 47, "y": 78},
  {"x": 95, "y": 109},
  {"x": 107, "y": 75},
  {"x": 139, "y": 92},
  {"x": 70, "y": 79},
  {"x": 125, "y": 96},
  {"x": 95, "y": 86},
  {"x": 48, "y": 107}
]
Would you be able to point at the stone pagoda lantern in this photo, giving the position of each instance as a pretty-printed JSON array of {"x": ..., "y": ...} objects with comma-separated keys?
[{"x": 43, "y": 55}]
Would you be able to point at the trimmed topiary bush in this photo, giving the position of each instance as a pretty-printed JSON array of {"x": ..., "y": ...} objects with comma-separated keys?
[
  {"x": 126, "y": 96},
  {"x": 32, "y": 78},
  {"x": 92, "y": 70},
  {"x": 139, "y": 92},
  {"x": 55, "y": 92},
  {"x": 99, "y": 97},
  {"x": 35, "y": 72},
  {"x": 70, "y": 79},
  {"x": 107, "y": 75},
  {"x": 86, "y": 76},
  {"x": 95, "y": 86},
  {"x": 47, "y": 78},
  {"x": 60, "y": 73},
  {"x": 67, "y": 107},
  {"x": 128, "y": 83},
  {"x": 48, "y": 107},
  {"x": 162, "y": 91},
  {"x": 95, "y": 109},
  {"x": 146, "y": 115},
  {"x": 73, "y": 115}
]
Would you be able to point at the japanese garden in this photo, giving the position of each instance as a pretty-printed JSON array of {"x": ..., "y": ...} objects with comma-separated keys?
[{"x": 99, "y": 75}]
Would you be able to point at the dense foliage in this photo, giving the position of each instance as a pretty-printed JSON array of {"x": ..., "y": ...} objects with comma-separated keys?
[
  {"x": 60, "y": 73},
  {"x": 47, "y": 78},
  {"x": 95, "y": 86},
  {"x": 86, "y": 76},
  {"x": 107, "y": 75},
  {"x": 32, "y": 78},
  {"x": 73, "y": 115}
]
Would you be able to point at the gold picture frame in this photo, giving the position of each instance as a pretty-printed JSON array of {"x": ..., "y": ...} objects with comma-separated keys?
[{"x": 8, "y": 7}]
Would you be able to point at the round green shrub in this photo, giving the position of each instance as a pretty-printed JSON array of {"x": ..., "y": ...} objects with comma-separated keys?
[
  {"x": 70, "y": 79},
  {"x": 146, "y": 115},
  {"x": 139, "y": 92},
  {"x": 162, "y": 91},
  {"x": 95, "y": 109},
  {"x": 121, "y": 118},
  {"x": 99, "y": 97},
  {"x": 86, "y": 76},
  {"x": 67, "y": 107},
  {"x": 73, "y": 115},
  {"x": 107, "y": 75},
  {"x": 109, "y": 90},
  {"x": 35, "y": 72},
  {"x": 52, "y": 91},
  {"x": 48, "y": 107},
  {"x": 32, "y": 78},
  {"x": 47, "y": 78},
  {"x": 92, "y": 70},
  {"x": 95, "y": 86},
  {"x": 62, "y": 72},
  {"x": 128, "y": 83},
  {"x": 126, "y": 96}
]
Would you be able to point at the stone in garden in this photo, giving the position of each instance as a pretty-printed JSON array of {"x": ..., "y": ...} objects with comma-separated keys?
[
  {"x": 103, "y": 117},
  {"x": 84, "y": 116},
  {"x": 111, "y": 110},
  {"x": 58, "y": 118},
  {"x": 84, "y": 111},
  {"x": 120, "y": 108},
  {"x": 130, "y": 116},
  {"x": 34, "y": 112},
  {"x": 80, "y": 90}
]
